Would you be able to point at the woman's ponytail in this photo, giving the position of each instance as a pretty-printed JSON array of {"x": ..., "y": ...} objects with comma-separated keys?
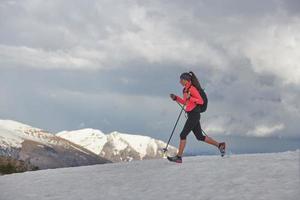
[{"x": 195, "y": 80}]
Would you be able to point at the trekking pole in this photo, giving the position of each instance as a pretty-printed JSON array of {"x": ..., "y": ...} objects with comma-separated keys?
[
  {"x": 186, "y": 117},
  {"x": 166, "y": 148}
]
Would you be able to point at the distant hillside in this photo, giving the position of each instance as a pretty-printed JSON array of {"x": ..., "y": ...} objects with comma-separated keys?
[
  {"x": 42, "y": 149},
  {"x": 9, "y": 165}
]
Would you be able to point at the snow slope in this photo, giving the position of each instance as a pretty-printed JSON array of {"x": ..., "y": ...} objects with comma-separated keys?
[
  {"x": 117, "y": 146},
  {"x": 238, "y": 177},
  {"x": 10, "y": 139},
  {"x": 141, "y": 144},
  {"x": 41, "y": 148},
  {"x": 14, "y": 133},
  {"x": 138, "y": 142},
  {"x": 91, "y": 139}
]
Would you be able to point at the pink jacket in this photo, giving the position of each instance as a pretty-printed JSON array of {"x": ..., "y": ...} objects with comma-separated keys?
[{"x": 194, "y": 99}]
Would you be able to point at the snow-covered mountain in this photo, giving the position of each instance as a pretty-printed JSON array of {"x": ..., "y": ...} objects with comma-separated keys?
[
  {"x": 42, "y": 149},
  {"x": 117, "y": 146},
  {"x": 236, "y": 177},
  {"x": 91, "y": 139}
]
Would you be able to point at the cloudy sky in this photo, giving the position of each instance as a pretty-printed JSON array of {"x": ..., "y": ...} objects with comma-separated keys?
[{"x": 110, "y": 65}]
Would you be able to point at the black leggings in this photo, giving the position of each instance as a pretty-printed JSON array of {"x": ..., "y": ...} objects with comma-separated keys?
[{"x": 192, "y": 124}]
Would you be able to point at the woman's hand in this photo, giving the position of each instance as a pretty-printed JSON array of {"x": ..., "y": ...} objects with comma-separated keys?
[{"x": 173, "y": 97}]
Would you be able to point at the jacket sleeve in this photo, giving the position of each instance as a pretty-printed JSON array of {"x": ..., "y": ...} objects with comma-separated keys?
[
  {"x": 195, "y": 96},
  {"x": 180, "y": 100}
]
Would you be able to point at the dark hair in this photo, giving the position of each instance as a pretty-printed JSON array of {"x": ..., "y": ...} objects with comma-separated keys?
[
  {"x": 195, "y": 81},
  {"x": 186, "y": 76}
]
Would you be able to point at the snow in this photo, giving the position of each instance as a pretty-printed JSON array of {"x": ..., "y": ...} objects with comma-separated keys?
[
  {"x": 94, "y": 140},
  {"x": 13, "y": 125},
  {"x": 138, "y": 142},
  {"x": 248, "y": 177},
  {"x": 13, "y": 133},
  {"x": 91, "y": 139},
  {"x": 9, "y": 139},
  {"x": 117, "y": 141}
]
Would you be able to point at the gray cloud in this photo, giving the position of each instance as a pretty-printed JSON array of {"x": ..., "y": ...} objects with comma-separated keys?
[{"x": 111, "y": 64}]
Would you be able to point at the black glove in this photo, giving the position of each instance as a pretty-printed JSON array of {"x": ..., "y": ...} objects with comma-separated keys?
[{"x": 173, "y": 96}]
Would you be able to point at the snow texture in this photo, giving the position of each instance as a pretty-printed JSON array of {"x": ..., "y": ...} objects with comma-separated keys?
[
  {"x": 91, "y": 139},
  {"x": 94, "y": 140},
  {"x": 237, "y": 177},
  {"x": 13, "y": 133},
  {"x": 137, "y": 142},
  {"x": 9, "y": 139}
]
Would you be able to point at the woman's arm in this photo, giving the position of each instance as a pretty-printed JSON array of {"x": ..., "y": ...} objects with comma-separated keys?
[{"x": 180, "y": 100}]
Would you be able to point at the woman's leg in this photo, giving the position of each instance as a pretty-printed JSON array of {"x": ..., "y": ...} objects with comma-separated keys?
[
  {"x": 181, "y": 147},
  {"x": 211, "y": 141},
  {"x": 199, "y": 135},
  {"x": 193, "y": 119},
  {"x": 220, "y": 146}
]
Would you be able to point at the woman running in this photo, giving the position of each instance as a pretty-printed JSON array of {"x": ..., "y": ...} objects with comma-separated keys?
[{"x": 192, "y": 102}]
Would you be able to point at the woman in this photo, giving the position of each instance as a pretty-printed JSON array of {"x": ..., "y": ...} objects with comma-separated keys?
[{"x": 192, "y": 102}]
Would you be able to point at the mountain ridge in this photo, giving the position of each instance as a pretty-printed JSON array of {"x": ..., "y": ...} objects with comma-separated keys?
[
  {"x": 117, "y": 146},
  {"x": 41, "y": 148},
  {"x": 74, "y": 148}
]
